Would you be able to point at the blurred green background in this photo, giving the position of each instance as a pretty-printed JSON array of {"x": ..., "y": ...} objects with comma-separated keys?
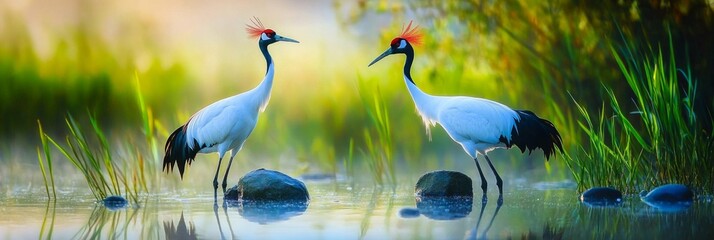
[{"x": 74, "y": 56}]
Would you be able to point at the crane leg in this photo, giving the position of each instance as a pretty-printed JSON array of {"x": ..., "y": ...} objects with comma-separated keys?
[
  {"x": 215, "y": 181},
  {"x": 226, "y": 175},
  {"x": 484, "y": 184},
  {"x": 499, "y": 181}
]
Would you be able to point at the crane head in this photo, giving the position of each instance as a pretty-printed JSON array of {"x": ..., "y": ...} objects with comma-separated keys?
[
  {"x": 402, "y": 43},
  {"x": 267, "y": 36}
]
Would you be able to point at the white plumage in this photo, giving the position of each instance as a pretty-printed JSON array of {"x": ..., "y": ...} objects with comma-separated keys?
[
  {"x": 224, "y": 125},
  {"x": 479, "y": 125},
  {"x": 475, "y": 123},
  {"x": 227, "y": 123}
]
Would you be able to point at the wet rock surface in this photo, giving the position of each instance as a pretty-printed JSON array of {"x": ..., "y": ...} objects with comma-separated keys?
[
  {"x": 669, "y": 197},
  {"x": 670, "y": 193},
  {"x": 115, "y": 202},
  {"x": 444, "y": 184},
  {"x": 267, "y": 185},
  {"x": 599, "y": 196}
]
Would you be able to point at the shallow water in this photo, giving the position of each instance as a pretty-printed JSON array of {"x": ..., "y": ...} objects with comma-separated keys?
[{"x": 338, "y": 210}]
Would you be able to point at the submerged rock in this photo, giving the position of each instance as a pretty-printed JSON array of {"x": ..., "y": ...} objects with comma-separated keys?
[
  {"x": 267, "y": 185},
  {"x": 264, "y": 212},
  {"x": 670, "y": 197},
  {"x": 445, "y": 208},
  {"x": 601, "y": 196},
  {"x": 409, "y": 212},
  {"x": 115, "y": 202},
  {"x": 444, "y": 184}
]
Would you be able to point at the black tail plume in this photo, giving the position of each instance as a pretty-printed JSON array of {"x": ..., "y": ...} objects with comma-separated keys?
[
  {"x": 178, "y": 152},
  {"x": 532, "y": 132}
]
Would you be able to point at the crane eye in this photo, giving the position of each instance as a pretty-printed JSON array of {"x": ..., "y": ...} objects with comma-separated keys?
[
  {"x": 402, "y": 44},
  {"x": 398, "y": 43}
]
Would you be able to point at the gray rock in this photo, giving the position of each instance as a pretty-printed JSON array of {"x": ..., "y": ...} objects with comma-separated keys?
[
  {"x": 601, "y": 196},
  {"x": 267, "y": 185},
  {"x": 444, "y": 184}
]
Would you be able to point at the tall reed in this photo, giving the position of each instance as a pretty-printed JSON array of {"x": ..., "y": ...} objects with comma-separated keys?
[
  {"x": 150, "y": 127},
  {"x": 380, "y": 147},
  {"x": 48, "y": 159},
  {"x": 93, "y": 156},
  {"x": 657, "y": 140},
  {"x": 102, "y": 174}
]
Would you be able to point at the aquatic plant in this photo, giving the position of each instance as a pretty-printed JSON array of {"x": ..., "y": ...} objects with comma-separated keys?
[
  {"x": 48, "y": 159},
  {"x": 379, "y": 152},
  {"x": 104, "y": 177},
  {"x": 349, "y": 160},
  {"x": 658, "y": 139},
  {"x": 150, "y": 127},
  {"x": 47, "y": 228},
  {"x": 93, "y": 156}
]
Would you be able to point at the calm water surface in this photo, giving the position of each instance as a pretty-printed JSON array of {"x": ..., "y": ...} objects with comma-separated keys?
[{"x": 342, "y": 211}]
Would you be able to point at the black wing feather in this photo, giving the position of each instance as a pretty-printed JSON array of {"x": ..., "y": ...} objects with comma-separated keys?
[
  {"x": 178, "y": 152},
  {"x": 532, "y": 132}
]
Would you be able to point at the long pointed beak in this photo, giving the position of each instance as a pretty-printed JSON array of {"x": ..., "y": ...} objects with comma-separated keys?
[
  {"x": 386, "y": 53},
  {"x": 284, "y": 39}
]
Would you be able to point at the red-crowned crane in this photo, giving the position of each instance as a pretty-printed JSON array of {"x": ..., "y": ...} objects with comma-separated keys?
[
  {"x": 225, "y": 124},
  {"x": 479, "y": 125}
]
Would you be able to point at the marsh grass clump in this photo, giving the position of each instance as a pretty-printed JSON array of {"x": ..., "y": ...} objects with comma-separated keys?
[
  {"x": 660, "y": 140},
  {"x": 91, "y": 154}
]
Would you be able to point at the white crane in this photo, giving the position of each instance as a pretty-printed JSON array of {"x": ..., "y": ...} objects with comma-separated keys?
[
  {"x": 479, "y": 125},
  {"x": 225, "y": 124}
]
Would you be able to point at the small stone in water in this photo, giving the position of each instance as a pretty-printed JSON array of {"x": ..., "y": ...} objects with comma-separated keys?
[
  {"x": 670, "y": 193},
  {"x": 408, "y": 212},
  {"x": 601, "y": 196},
  {"x": 267, "y": 185},
  {"x": 670, "y": 198},
  {"x": 115, "y": 202},
  {"x": 444, "y": 184}
]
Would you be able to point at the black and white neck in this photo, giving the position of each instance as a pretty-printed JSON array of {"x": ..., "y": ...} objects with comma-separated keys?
[
  {"x": 261, "y": 92},
  {"x": 264, "y": 50},
  {"x": 427, "y": 105}
]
